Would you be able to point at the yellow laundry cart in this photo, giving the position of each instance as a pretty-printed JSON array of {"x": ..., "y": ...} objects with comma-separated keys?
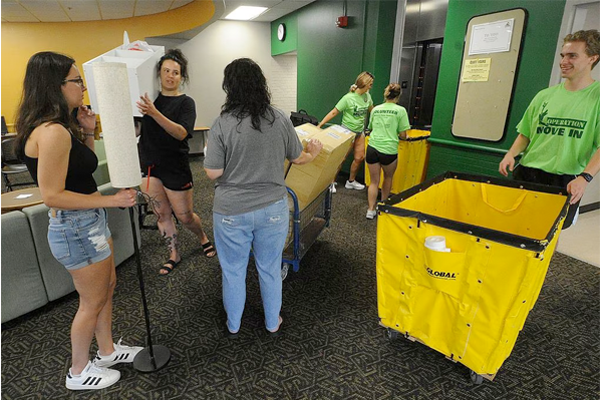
[
  {"x": 413, "y": 155},
  {"x": 461, "y": 260}
]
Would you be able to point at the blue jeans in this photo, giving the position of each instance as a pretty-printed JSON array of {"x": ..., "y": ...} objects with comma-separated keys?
[
  {"x": 79, "y": 238},
  {"x": 264, "y": 231}
]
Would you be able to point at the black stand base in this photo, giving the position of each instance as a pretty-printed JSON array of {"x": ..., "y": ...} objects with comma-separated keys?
[
  {"x": 153, "y": 357},
  {"x": 145, "y": 362}
]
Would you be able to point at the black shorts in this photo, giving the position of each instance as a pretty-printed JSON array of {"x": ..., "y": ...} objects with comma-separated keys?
[
  {"x": 176, "y": 178},
  {"x": 374, "y": 157},
  {"x": 534, "y": 175}
]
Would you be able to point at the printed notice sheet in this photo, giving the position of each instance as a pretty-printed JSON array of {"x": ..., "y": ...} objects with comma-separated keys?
[
  {"x": 477, "y": 70},
  {"x": 493, "y": 37}
]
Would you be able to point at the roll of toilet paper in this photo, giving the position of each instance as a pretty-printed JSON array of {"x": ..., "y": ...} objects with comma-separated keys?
[
  {"x": 118, "y": 131},
  {"x": 437, "y": 243}
]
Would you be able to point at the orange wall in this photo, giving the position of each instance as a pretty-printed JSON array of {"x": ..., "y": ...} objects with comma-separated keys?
[{"x": 84, "y": 41}]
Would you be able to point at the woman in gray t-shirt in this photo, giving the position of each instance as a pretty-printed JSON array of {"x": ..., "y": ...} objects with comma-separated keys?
[{"x": 247, "y": 146}]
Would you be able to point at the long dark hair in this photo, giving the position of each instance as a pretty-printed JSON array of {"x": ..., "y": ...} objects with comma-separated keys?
[
  {"x": 247, "y": 92},
  {"x": 42, "y": 100},
  {"x": 177, "y": 56}
]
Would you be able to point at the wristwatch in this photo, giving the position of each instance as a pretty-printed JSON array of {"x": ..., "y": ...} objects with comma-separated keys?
[{"x": 586, "y": 176}]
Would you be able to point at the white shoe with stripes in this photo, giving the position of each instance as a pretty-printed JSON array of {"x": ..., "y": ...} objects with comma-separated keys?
[
  {"x": 92, "y": 377},
  {"x": 122, "y": 354}
]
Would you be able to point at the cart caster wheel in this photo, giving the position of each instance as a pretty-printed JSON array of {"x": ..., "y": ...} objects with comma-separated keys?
[
  {"x": 285, "y": 268},
  {"x": 476, "y": 379},
  {"x": 392, "y": 334}
]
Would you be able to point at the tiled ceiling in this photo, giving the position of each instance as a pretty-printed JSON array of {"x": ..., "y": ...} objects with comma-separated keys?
[
  {"x": 276, "y": 8},
  {"x": 94, "y": 10}
]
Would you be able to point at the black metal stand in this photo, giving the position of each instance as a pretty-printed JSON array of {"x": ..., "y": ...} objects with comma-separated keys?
[{"x": 153, "y": 357}]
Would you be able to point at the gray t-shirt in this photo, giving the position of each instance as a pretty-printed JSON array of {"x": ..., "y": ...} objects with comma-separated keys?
[{"x": 252, "y": 161}]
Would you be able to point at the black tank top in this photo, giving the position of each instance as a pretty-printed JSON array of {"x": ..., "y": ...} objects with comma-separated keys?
[{"x": 82, "y": 163}]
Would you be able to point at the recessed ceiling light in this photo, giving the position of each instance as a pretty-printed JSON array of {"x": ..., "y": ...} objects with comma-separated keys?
[{"x": 246, "y": 13}]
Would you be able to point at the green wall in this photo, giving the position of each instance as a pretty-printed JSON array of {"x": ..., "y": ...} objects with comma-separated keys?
[
  {"x": 290, "y": 42},
  {"x": 330, "y": 58},
  {"x": 379, "y": 42},
  {"x": 535, "y": 67}
]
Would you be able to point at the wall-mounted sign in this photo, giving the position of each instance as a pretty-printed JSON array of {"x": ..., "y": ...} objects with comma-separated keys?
[
  {"x": 493, "y": 37},
  {"x": 486, "y": 83},
  {"x": 476, "y": 70}
]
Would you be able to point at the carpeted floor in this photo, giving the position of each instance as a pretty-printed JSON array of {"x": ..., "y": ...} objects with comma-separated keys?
[
  {"x": 581, "y": 240},
  {"x": 332, "y": 347}
]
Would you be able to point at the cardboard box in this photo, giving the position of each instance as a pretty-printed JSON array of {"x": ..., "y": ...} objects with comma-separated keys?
[
  {"x": 304, "y": 132},
  {"x": 309, "y": 180},
  {"x": 141, "y": 71}
]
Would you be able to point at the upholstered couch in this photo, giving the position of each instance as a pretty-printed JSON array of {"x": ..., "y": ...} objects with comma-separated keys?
[
  {"x": 101, "y": 173},
  {"x": 31, "y": 277}
]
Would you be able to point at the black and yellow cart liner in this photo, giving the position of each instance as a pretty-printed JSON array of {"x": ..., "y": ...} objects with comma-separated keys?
[{"x": 470, "y": 301}]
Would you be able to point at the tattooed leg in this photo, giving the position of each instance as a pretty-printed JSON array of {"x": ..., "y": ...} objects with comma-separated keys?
[
  {"x": 167, "y": 229},
  {"x": 191, "y": 221},
  {"x": 171, "y": 242},
  {"x": 174, "y": 259}
]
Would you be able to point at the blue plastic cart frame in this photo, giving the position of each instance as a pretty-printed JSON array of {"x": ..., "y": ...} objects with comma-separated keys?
[{"x": 307, "y": 225}]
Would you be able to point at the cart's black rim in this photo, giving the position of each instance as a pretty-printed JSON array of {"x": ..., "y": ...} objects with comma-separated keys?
[
  {"x": 415, "y": 138},
  {"x": 474, "y": 230}
]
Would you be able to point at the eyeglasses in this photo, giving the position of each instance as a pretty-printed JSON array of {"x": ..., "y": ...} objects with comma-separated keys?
[{"x": 78, "y": 81}]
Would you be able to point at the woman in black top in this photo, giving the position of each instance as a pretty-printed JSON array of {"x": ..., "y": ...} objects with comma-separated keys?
[
  {"x": 59, "y": 153},
  {"x": 167, "y": 125}
]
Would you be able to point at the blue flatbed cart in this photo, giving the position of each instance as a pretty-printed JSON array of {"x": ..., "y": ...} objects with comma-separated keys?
[{"x": 306, "y": 227}]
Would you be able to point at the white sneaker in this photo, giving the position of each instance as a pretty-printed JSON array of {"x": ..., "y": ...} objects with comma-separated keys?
[
  {"x": 122, "y": 354},
  {"x": 354, "y": 185},
  {"x": 371, "y": 214},
  {"x": 92, "y": 377},
  {"x": 333, "y": 185}
]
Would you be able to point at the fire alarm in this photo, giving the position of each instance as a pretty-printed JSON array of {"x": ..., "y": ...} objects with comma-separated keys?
[{"x": 342, "y": 22}]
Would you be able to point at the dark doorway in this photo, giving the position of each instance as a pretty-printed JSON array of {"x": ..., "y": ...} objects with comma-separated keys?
[{"x": 425, "y": 78}]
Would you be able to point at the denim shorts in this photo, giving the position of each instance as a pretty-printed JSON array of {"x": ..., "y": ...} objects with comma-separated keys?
[
  {"x": 356, "y": 133},
  {"x": 79, "y": 238}
]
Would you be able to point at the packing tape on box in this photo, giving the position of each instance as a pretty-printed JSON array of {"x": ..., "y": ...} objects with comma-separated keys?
[{"x": 118, "y": 131}]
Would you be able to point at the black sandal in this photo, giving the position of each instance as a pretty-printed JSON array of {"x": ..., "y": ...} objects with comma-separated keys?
[
  {"x": 208, "y": 248},
  {"x": 173, "y": 265}
]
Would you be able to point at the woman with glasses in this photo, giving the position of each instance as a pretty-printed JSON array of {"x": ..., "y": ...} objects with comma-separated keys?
[
  {"x": 248, "y": 145},
  {"x": 167, "y": 124},
  {"x": 355, "y": 107},
  {"x": 59, "y": 153},
  {"x": 388, "y": 124}
]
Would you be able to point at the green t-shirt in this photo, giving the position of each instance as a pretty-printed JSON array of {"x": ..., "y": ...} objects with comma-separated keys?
[
  {"x": 387, "y": 121},
  {"x": 354, "y": 108},
  {"x": 563, "y": 128}
]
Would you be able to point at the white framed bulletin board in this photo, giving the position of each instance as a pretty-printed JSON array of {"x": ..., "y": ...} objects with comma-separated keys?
[{"x": 489, "y": 66}]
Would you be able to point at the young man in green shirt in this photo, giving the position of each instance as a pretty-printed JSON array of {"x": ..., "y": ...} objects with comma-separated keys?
[{"x": 559, "y": 134}]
